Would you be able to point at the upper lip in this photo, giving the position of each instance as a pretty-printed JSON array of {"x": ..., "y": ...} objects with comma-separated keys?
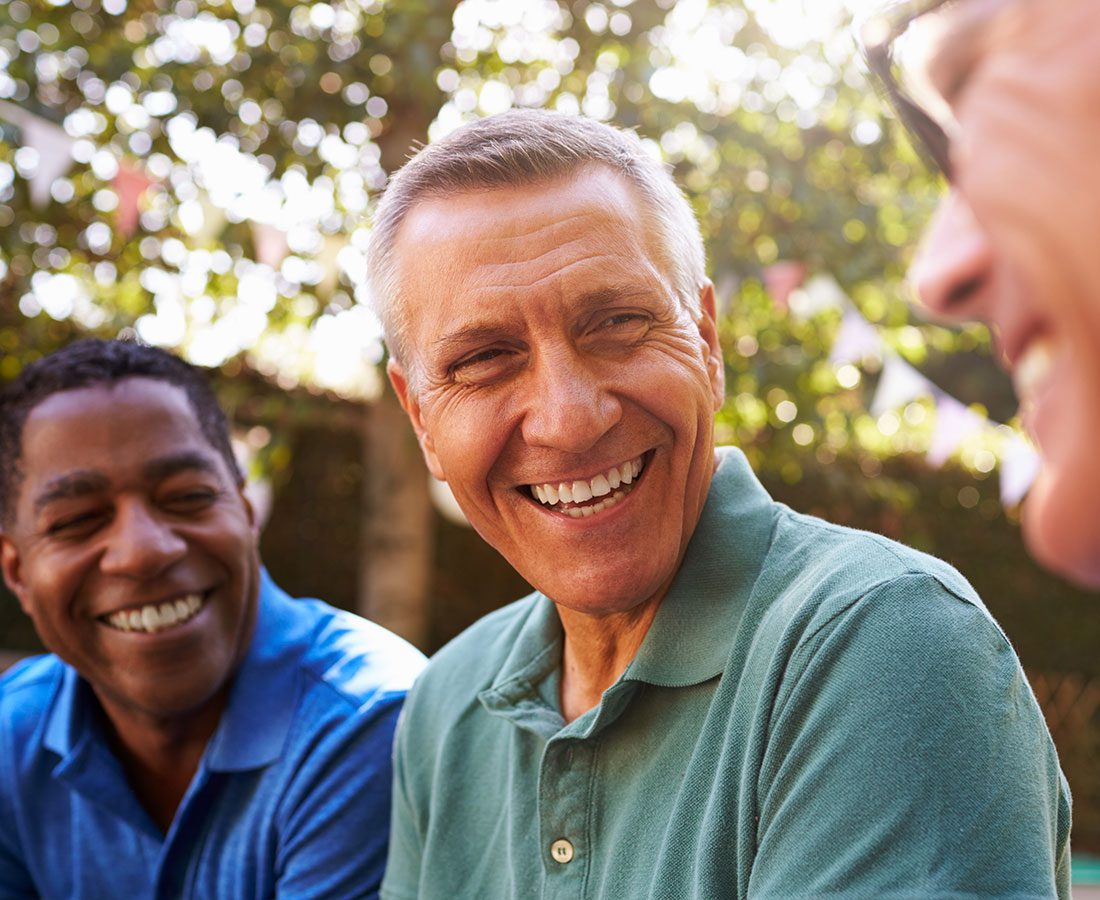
[
  {"x": 1013, "y": 342},
  {"x": 163, "y": 597},
  {"x": 589, "y": 472}
]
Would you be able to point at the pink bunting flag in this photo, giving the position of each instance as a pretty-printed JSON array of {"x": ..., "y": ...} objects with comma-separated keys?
[
  {"x": 954, "y": 424},
  {"x": 129, "y": 184},
  {"x": 270, "y": 244},
  {"x": 781, "y": 279}
]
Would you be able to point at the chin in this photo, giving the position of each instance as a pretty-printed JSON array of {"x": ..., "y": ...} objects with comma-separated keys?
[{"x": 1061, "y": 530}]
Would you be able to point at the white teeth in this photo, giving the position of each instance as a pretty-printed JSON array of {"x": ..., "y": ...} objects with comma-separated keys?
[
  {"x": 1033, "y": 368},
  {"x": 156, "y": 617},
  {"x": 606, "y": 484}
]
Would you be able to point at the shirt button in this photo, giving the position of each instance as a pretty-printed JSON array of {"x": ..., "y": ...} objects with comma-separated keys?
[{"x": 562, "y": 851}]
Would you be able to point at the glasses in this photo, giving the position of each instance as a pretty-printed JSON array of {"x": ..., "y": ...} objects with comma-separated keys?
[{"x": 877, "y": 37}]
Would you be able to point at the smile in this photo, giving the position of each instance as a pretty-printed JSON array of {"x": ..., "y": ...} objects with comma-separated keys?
[
  {"x": 588, "y": 497},
  {"x": 155, "y": 617}
]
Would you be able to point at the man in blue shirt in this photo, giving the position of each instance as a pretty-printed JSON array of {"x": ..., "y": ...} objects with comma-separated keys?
[{"x": 195, "y": 732}]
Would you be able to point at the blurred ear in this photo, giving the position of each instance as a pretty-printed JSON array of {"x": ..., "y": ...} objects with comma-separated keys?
[
  {"x": 708, "y": 330},
  {"x": 409, "y": 402},
  {"x": 13, "y": 570}
]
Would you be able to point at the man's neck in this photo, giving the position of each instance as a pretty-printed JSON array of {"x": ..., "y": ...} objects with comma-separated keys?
[
  {"x": 160, "y": 756},
  {"x": 597, "y": 651}
]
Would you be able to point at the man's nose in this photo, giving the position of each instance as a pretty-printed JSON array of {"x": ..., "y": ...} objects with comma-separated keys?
[
  {"x": 140, "y": 543},
  {"x": 570, "y": 406},
  {"x": 953, "y": 267}
]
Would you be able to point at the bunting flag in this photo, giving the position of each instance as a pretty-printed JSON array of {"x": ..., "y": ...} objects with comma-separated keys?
[
  {"x": 954, "y": 424},
  {"x": 326, "y": 258},
  {"x": 130, "y": 183},
  {"x": 856, "y": 339},
  {"x": 1020, "y": 464},
  {"x": 50, "y": 142},
  {"x": 781, "y": 279},
  {"x": 817, "y": 295},
  {"x": 269, "y": 244},
  {"x": 898, "y": 384}
]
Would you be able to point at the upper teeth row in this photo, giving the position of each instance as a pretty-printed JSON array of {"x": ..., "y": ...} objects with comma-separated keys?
[
  {"x": 579, "y": 491},
  {"x": 156, "y": 616}
]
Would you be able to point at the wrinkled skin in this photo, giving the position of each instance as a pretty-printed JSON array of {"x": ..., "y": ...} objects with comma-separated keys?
[
  {"x": 1016, "y": 242},
  {"x": 548, "y": 346}
]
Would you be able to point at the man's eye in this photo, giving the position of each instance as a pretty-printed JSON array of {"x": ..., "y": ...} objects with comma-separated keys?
[
  {"x": 474, "y": 360},
  {"x": 68, "y": 526},
  {"x": 191, "y": 500},
  {"x": 623, "y": 323}
]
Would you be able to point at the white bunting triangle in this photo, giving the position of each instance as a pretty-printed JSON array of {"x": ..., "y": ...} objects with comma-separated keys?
[{"x": 898, "y": 384}]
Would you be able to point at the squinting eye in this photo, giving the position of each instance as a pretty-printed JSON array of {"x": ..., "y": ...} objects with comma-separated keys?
[
  {"x": 624, "y": 322},
  {"x": 73, "y": 525},
  {"x": 188, "y": 501},
  {"x": 482, "y": 356}
]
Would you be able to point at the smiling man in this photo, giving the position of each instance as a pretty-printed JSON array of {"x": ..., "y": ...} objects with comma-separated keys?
[
  {"x": 1009, "y": 112},
  {"x": 708, "y": 695},
  {"x": 194, "y": 732}
]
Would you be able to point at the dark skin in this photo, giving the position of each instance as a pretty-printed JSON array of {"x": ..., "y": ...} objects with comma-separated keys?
[{"x": 125, "y": 509}]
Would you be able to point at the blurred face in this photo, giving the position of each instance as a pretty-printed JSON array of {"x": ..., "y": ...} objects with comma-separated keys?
[
  {"x": 561, "y": 389},
  {"x": 1015, "y": 243},
  {"x": 132, "y": 548}
]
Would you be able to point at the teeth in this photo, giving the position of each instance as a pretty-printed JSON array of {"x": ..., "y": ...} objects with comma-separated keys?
[
  {"x": 606, "y": 484},
  {"x": 1033, "y": 368},
  {"x": 156, "y": 616}
]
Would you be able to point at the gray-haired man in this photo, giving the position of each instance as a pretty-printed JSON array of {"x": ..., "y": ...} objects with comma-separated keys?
[{"x": 708, "y": 695}]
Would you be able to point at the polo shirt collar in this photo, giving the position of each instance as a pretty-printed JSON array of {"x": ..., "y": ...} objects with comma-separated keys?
[
  {"x": 262, "y": 701},
  {"x": 691, "y": 635},
  {"x": 257, "y": 719}
]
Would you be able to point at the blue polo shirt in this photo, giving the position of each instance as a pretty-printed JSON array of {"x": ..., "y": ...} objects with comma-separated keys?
[
  {"x": 291, "y": 798},
  {"x": 815, "y": 712}
]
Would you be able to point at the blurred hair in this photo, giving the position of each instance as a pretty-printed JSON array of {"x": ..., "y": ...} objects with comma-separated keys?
[
  {"x": 91, "y": 362},
  {"x": 520, "y": 147}
]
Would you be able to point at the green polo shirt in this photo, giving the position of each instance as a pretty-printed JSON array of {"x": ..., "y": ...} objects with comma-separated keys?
[{"x": 815, "y": 712}]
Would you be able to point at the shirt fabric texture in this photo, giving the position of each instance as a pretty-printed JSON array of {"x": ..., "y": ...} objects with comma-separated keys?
[
  {"x": 291, "y": 798},
  {"x": 814, "y": 712}
]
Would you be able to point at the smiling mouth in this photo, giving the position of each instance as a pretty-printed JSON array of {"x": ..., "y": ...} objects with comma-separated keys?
[
  {"x": 580, "y": 499},
  {"x": 153, "y": 617}
]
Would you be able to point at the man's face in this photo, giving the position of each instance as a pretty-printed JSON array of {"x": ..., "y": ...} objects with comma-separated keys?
[
  {"x": 561, "y": 389},
  {"x": 132, "y": 549},
  {"x": 1016, "y": 242}
]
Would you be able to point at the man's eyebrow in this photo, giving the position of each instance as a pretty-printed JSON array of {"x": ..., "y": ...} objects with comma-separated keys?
[
  {"x": 69, "y": 486},
  {"x": 184, "y": 461}
]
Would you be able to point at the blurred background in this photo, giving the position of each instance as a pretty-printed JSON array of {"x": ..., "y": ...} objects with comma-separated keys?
[{"x": 201, "y": 173}]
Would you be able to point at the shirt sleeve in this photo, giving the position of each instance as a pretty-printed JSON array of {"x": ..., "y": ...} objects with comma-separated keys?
[
  {"x": 15, "y": 880},
  {"x": 406, "y": 844},
  {"x": 909, "y": 758},
  {"x": 334, "y": 834}
]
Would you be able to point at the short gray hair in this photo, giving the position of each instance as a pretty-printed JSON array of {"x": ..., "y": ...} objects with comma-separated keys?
[{"x": 520, "y": 147}]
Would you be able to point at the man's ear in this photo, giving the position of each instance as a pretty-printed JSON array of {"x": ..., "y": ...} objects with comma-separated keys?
[
  {"x": 11, "y": 565},
  {"x": 708, "y": 330},
  {"x": 409, "y": 402}
]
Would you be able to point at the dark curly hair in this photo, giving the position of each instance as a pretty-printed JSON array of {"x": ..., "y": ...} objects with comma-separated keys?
[{"x": 91, "y": 362}]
